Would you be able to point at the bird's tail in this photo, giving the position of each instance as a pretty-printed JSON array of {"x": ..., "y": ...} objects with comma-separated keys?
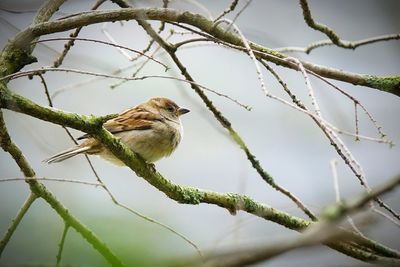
[{"x": 67, "y": 154}]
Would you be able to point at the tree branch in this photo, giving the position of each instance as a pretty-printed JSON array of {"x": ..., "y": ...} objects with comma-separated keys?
[
  {"x": 39, "y": 190},
  {"x": 225, "y": 122},
  {"x": 71, "y": 42},
  {"x": 182, "y": 194},
  {"x": 337, "y": 211},
  {"x": 325, "y": 231},
  {"x": 389, "y": 84},
  {"x": 61, "y": 244},
  {"x": 321, "y": 27},
  {"x": 329, "y": 42},
  {"x": 16, "y": 54},
  {"x": 15, "y": 222}
]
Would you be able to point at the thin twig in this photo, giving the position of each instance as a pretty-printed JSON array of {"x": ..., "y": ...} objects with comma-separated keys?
[
  {"x": 226, "y": 123},
  {"x": 248, "y": 2},
  {"x": 146, "y": 49},
  {"x": 371, "y": 118},
  {"x": 249, "y": 51},
  {"x": 61, "y": 244},
  {"x": 70, "y": 43},
  {"x": 335, "y": 141},
  {"x": 385, "y": 216},
  {"x": 182, "y": 194},
  {"x": 45, "y": 69},
  {"x": 15, "y": 222},
  {"x": 229, "y": 9},
  {"x": 379, "y": 128},
  {"x": 101, "y": 183},
  {"x": 321, "y": 27},
  {"x": 338, "y": 211},
  {"x": 308, "y": 85},
  {"x": 105, "y": 31},
  {"x": 146, "y": 218},
  {"x": 50, "y": 102},
  {"x": 355, "y": 44},
  {"x": 388, "y": 84},
  {"x": 46, "y": 89},
  {"x": 341, "y": 147},
  {"x": 356, "y": 122},
  {"x": 141, "y": 66},
  {"x": 103, "y": 42},
  {"x": 79, "y": 84},
  {"x": 188, "y": 41},
  {"x": 336, "y": 187},
  {"x": 357, "y": 170},
  {"x": 49, "y": 179},
  {"x": 325, "y": 231}
]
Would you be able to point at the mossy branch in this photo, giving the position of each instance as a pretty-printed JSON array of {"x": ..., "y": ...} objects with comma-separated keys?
[
  {"x": 15, "y": 222},
  {"x": 17, "y": 54},
  {"x": 182, "y": 194},
  {"x": 39, "y": 190},
  {"x": 321, "y": 27},
  {"x": 23, "y": 39},
  {"x": 187, "y": 195}
]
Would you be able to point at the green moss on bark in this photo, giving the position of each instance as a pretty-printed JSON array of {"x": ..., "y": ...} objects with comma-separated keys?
[{"x": 390, "y": 84}]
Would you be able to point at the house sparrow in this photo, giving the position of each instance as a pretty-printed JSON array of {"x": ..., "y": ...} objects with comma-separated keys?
[{"x": 152, "y": 129}]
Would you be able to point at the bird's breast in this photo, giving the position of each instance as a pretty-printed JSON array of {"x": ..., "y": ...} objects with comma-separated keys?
[{"x": 154, "y": 143}]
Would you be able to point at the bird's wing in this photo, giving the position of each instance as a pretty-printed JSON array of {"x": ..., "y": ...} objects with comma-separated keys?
[{"x": 131, "y": 119}]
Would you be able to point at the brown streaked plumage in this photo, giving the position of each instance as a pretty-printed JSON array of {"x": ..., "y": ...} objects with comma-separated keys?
[{"x": 152, "y": 129}]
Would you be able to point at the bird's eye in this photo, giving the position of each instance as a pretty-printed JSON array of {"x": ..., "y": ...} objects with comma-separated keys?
[{"x": 171, "y": 109}]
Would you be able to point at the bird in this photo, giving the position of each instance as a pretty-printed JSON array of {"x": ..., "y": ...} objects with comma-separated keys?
[{"x": 152, "y": 129}]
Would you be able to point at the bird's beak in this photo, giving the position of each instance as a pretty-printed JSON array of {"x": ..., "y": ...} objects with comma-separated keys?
[{"x": 182, "y": 111}]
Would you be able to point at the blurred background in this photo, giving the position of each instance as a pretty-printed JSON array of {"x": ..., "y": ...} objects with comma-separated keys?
[{"x": 288, "y": 144}]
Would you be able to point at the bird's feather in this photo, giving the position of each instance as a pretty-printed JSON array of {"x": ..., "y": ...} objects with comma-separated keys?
[{"x": 131, "y": 119}]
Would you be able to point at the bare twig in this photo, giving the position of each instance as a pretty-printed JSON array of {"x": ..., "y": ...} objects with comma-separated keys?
[
  {"x": 45, "y": 69},
  {"x": 339, "y": 145},
  {"x": 146, "y": 218},
  {"x": 49, "y": 179},
  {"x": 308, "y": 85},
  {"x": 356, "y": 102},
  {"x": 70, "y": 43},
  {"x": 105, "y": 31},
  {"x": 229, "y": 9},
  {"x": 103, "y": 42},
  {"x": 80, "y": 84},
  {"x": 182, "y": 194},
  {"x": 249, "y": 51},
  {"x": 353, "y": 164},
  {"x": 50, "y": 102},
  {"x": 141, "y": 66},
  {"x": 356, "y": 122},
  {"x": 354, "y": 44},
  {"x": 384, "y": 215},
  {"x": 15, "y": 222},
  {"x": 226, "y": 123},
  {"x": 321, "y": 27},
  {"x": 39, "y": 190},
  {"x": 335, "y": 141},
  {"x": 338, "y": 211},
  {"x": 248, "y": 2},
  {"x": 325, "y": 231},
  {"x": 388, "y": 84},
  {"x": 198, "y": 196},
  {"x": 61, "y": 244},
  {"x": 101, "y": 183},
  {"x": 336, "y": 187}
]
